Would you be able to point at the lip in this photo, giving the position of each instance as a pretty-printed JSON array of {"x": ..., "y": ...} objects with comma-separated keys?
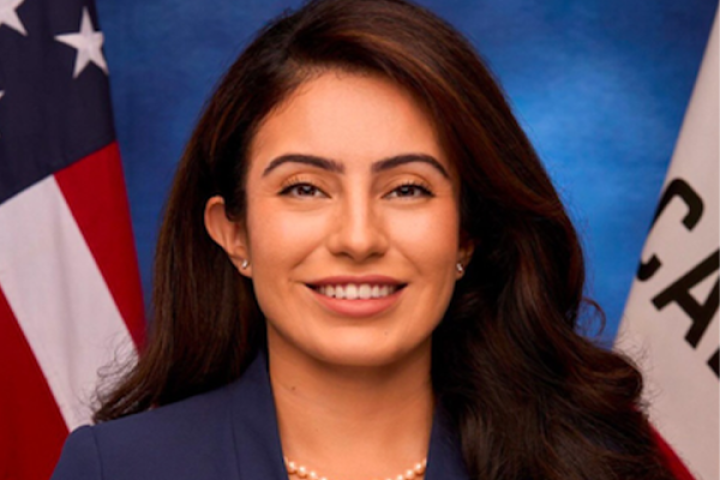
[
  {"x": 345, "y": 279},
  {"x": 357, "y": 308}
]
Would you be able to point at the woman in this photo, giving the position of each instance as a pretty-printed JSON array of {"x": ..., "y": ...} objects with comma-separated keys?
[{"x": 364, "y": 268}]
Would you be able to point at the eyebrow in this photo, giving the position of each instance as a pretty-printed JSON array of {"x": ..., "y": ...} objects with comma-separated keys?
[
  {"x": 336, "y": 167},
  {"x": 319, "y": 162},
  {"x": 398, "y": 160}
]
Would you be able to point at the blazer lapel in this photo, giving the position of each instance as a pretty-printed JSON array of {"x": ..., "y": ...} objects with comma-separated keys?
[
  {"x": 444, "y": 460},
  {"x": 257, "y": 441}
]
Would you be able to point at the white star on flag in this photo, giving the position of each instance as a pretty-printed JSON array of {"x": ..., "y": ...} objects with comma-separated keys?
[
  {"x": 9, "y": 17},
  {"x": 88, "y": 43}
]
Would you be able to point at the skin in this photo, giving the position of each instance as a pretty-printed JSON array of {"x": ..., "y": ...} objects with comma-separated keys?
[{"x": 353, "y": 394}]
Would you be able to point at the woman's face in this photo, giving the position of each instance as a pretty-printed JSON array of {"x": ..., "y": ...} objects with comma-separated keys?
[{"x": 352, "y": 226}]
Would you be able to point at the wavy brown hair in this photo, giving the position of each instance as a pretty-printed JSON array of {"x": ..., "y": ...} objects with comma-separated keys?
[{"x": 530, "y": 397}]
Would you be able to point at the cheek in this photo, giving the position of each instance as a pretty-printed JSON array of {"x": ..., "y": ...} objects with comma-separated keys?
[
  {"x": 279, "y": 239},
  {"x": 428, "y": 237}
]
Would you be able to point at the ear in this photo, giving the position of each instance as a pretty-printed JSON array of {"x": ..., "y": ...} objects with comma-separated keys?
[
  {"x": 229, "y": 234},
  {"x": 465, "y": 253}
]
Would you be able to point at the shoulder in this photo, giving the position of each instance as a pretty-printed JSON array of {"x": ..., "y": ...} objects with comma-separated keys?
[
  {"x": 175, "y": 441},
  {"x": 79, "y": 459}
]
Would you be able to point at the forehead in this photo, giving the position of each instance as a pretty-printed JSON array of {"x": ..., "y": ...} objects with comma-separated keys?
[{"x": 353, "y": 118}]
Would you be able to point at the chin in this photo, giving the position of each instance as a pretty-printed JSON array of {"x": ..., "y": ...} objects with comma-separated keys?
[
  {"x": 351, "y": 346},
  {"x": 354, "y": 352}
]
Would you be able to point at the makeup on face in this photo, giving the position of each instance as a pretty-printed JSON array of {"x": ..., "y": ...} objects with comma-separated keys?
[{"x": 352, "y": 222}]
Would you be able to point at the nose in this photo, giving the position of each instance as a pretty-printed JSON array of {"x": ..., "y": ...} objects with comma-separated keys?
[{"x": 358, "y": 231}]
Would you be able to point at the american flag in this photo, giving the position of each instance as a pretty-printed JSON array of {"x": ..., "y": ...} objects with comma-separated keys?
[{"x": 70, "y": 298}]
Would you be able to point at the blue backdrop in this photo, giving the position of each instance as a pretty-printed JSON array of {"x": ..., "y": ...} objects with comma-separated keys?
[{"x": 600, "y": 86}]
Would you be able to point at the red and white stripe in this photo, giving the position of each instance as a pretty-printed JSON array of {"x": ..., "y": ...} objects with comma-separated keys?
[{"x": 70, "y": 301}]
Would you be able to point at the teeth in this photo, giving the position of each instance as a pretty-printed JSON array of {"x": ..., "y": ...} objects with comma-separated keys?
[{"x": 353, "y": 292}]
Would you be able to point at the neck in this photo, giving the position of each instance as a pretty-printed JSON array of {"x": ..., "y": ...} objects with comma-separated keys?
[{"x": 353, "y": 423}]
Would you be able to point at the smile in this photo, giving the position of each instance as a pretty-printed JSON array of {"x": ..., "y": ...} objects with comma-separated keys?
[
  {"x": 362, "y": 291},
  {"x": 357, "y": 297}
]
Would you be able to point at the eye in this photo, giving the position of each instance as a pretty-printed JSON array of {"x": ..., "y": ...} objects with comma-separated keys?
[
  {"x": 303, "y": 189},
  {"x": 410, "y": 190}
]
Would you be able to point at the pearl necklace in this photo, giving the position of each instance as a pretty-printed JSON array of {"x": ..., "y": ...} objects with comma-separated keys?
[{"x": 302, "y": 471}]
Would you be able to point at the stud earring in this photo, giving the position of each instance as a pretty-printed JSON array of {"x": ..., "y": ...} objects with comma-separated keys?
[
  {"x": 244, "y": 264},
  {"x": 459, "y": 267}
]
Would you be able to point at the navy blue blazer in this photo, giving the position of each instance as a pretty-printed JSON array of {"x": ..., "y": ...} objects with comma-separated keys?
[{"x": 230, "y": 433}]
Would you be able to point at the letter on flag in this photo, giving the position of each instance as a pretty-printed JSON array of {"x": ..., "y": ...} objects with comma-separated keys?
[
  {"x": 70, "y": 299},
  {"x": 670, "y": 325}
]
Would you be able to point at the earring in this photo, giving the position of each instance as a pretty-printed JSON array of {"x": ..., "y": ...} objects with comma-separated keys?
[
  {"x": 459, "y": 267},
  {"x": 244, "y": 264}
]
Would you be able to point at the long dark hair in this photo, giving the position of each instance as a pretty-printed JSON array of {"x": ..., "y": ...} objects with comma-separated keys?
[{"x": 531, "y": 398}]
